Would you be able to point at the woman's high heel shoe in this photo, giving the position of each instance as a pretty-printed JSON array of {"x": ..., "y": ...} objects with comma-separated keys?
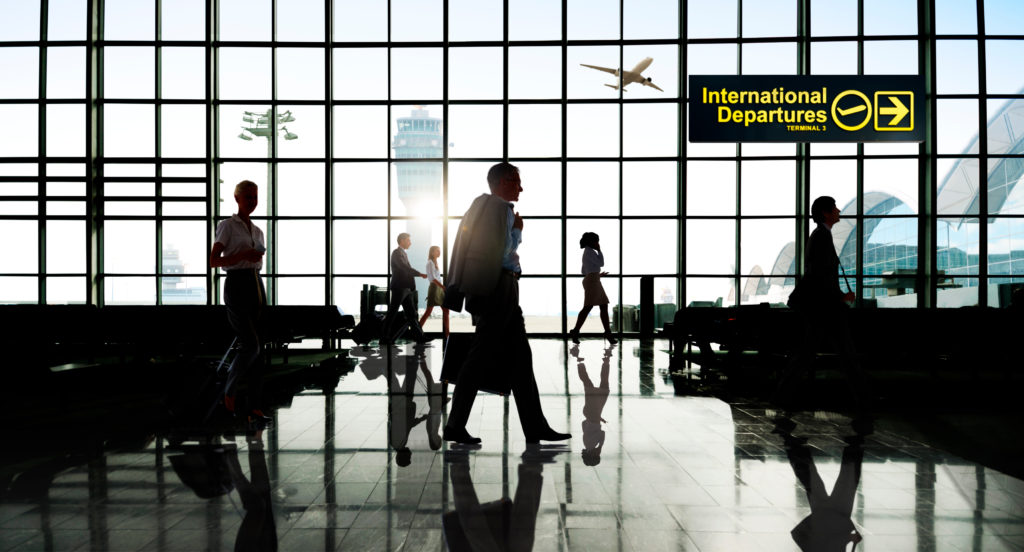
[
  {"x": 611, "y": 339},
  {"x": 575, "y": 335}
]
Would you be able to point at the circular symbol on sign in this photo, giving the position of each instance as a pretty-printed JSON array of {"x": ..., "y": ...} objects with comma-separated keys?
[{"x": 849, "y": 117}]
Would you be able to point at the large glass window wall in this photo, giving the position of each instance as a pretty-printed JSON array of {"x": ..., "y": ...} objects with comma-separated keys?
[{"x": 129, "y": 122}]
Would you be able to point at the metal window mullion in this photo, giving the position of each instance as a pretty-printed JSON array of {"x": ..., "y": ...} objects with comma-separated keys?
[
  {"x": 158, "y": 184},
  {"x": 737, "y": 226},
  {"x": 859, "y": 262},
  {"x": 682, "y": 122},
  {"x": 982, "y": 162},
  {"x": 212, "y": 170},
  {"x": 504, "y": 74},
  {"x": 927, "y": 265},
  {"x": 391, "y": 159},
  {"x": 41, "y": 169},
  {"x": 329, "y": 153},
  {"x": 803, "y": 183},
  {"x": 563, "y": 169},
  {"x": 622, "y": 110},
  {"x": 444, "y": 136},
  {"x": 272, "y": 173},
  {"x": 94, "y": 152}
]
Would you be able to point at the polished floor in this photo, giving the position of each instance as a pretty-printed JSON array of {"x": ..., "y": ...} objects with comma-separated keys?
[{"x": 362, "y": 467}]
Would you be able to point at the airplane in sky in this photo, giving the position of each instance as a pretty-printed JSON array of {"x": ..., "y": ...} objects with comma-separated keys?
[{"x": 628, "y": 77}]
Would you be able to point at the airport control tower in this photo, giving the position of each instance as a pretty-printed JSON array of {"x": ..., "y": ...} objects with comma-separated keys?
[{"x": 419, "y": 136}]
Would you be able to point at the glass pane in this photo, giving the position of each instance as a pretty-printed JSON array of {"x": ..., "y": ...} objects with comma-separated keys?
[
  {"x": 890, "y": 178},
  {"x": 65, "y": 72},
  {"x": 300, "y": 247},
  {"x": 649, "y": 188},
  {"x": 957, "y": 246},
  {"x": 361, "y": 247},
  {"x": 834, "y": 58},
  {"x": 957, "y": 185},
  {"x": 183, "y": 73},
  {"x": 300, "y": 291},
  {"x": 890, "y": 17},
  {"x": 607, "y": 231},
  {"x": 650, "y": 130},
  {"x": 711, "y": 59},
  {"x": 957, "y": 125},
  {"x": 769, "y": 59},
  {"x": 300, "y": 21},
  {"x": 347, "y": 293},
  {"x": 416, "y": 73},
  {"x": 244, "y": 131},
  {"x": 416, "y": 189},
  {"x": 593, "y": 19},
  {"x": 360, "y": 74},
  {"x": 475, "y": 73},
  {"x": 65, "y": 291},
  {"x": 534, "y": 130},
  {"x": 836, "y": 178},
  {"x": 1006, "y": 247},
  {"x": 184, "y": 252},
  {"x": 767, "y": 188},
  {"x": 956, "y": 68},
  {"x": 129, "y": 208},
  {"x": 417, "y": 133},
  {"x": 129, "y": 246},
  {"x": 475, "y": 20},
  {"x": 525, "y": 63},
  {"x": 187, "y": 170},
  {"x": 663, "y": 71},
  {"x": 763, "y": 243},
  {"x": 539, "y": 251},
  {"x": 25, "y": 142},
  {"x": 301, "y": 189},
  {"x": 710, "y": 188},
  {"x": 129, "y": 19},
  {"x": 22, "y": 254},
  {"x": 300, "y": 73},
  {"x": 474, "y": 131},
  {"x": 649, "y": 246},
  {"x": 1002, "y": 57},
  {"x": 534, "y": 20},
  {"x": 592, "y": 189},
  {"x": 182, "y": 19},
  {"x": 184, "y": 209},
  {"x": 183, "y": 130},
  {"x": 542, "y": 188},
  {"x": 233, "y": 173},
  {"x": 65, "y": 130},
  {"x": 466, "y": 181},
  {"x": 416, "y": 20},
  {"x": 769, "y": 18},
  {"x": 245, "y": 20},
  {"x": 1000, "y": 291},
  {"x": 244, "y": 74},
  {"x": 129, "y": 130},
  {"x": 60, "y": 208},
  {"x": 20, "y": 67},
  {"x": 66, "y": 20},
  {"x": 650, "y": 19},
  {"x": 890, "y": 57},
  {"x": 128, "y": 72},
  {"x": 712, "y": 19},
  {"x": 833, "y": 17},
  {"x": 361, "y": 20},
  {"x": 360, "y": 189},
  {"x": 956, "y": 17},
  {"x": 301, "y": 131},
  {"x": 593, "y": 130},
  {"x": 129, "y": 291},
  {"x": 710, "y": 246},
  {"x": 19, "y": 289},
  {"x": 586, "y": 82},
  {"x": 710, "y": 292},
  {"x": 1003, "y": 17},
  {"x": 1005, "y": 190},
  {"x": 540, "y": 299}
]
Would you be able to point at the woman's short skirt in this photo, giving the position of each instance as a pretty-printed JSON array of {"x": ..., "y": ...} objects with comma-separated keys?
[
  {"x": 435, "y": 295},
  {"x": 593, "y": 291}
]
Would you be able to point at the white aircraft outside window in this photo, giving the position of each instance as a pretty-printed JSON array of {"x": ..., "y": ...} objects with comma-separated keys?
[{"x": 629, "y": 77}]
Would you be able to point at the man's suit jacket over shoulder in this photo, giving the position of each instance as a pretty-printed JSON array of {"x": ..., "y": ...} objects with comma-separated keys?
[
  {"x": 475, "y": 265},
  {"x": 403, "y": 275}
]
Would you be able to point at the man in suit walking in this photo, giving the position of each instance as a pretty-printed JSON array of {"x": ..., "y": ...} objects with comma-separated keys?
[
  {"x": 402, "y": 286},
  {"x": 484, "y": 272}
]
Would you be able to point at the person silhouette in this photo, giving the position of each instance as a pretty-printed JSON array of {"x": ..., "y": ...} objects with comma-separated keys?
[
  {"x": 258, "y": 530},
  {"x": 238, "y": 249},
  {"x": 828, "y": 527},
  {"x": 822, "y": 309},
  {"x": 484, "y": 273},
  {"x": 593, "y": 291},
  {"x": 402, "y": 287},
  {"x": 402, "y": 407},
  {"x": 435, "y": 293},
  {"x": 595, "y": 397}
]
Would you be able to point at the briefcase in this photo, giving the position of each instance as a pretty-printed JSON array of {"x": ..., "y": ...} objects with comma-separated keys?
[{"x": 492, "y": 378}]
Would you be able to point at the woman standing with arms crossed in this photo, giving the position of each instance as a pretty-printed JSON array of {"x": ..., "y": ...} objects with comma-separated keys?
[
  {"x": 435, "y": 293},
  {"x": 238, "y": 249},
  {"x": 593, "y": 291}
]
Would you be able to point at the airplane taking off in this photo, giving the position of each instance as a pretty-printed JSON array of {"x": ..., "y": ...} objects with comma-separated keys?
[{"x": 629, "y": 77}]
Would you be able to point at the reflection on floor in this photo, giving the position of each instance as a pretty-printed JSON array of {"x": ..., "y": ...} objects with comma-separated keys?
[{"x": 361, "y": 467}]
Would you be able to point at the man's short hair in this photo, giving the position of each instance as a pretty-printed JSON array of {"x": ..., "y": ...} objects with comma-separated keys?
[
  {"x": 401, "y": 237},
  {"x": 500, "y": 171},
  {"x": 818, "y": 208},
  {"x": 244, "y": 185}
]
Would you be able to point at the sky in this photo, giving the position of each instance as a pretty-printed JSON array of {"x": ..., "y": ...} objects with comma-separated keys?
[{"x": 475, "y": 131}]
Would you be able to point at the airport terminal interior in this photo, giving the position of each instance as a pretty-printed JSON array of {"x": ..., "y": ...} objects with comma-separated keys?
[{"x": 128, "y": 124}]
